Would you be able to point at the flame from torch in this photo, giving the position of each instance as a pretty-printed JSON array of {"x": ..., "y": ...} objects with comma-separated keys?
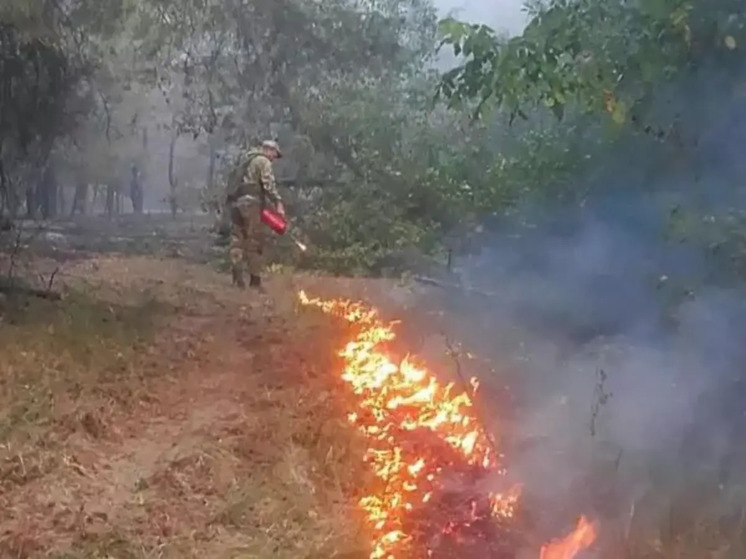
[{"x": 294, "y": 232}]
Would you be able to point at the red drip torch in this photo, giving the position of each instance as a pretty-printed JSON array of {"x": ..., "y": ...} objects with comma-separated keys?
[
  {"x": 279, "y": 225},
  {"x": 274, "y": 220}
]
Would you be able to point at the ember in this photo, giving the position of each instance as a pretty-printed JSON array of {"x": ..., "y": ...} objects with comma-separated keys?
[{"x": 428, "y": 451}]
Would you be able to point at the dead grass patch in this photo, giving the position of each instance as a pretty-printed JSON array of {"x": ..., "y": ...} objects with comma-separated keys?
[
  {"x": 277, "y": 483},
  {"x": 251, "y": 455},
  {"x": 109, "y": 544},
  {"x": 64, "y": 366}
]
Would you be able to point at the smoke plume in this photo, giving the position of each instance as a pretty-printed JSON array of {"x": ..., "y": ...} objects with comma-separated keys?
[{"x": 624, "y": 346}]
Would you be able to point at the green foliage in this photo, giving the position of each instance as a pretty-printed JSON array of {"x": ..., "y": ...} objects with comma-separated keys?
[
  {"x": 344, "y": 78},
  {"x": 610, "y": 73},
  {"x": 596, "y": 55},
  {"x": 721, "y": 235},
  {"x": 346, "y": 88},
  {"x": 47, "y": 59}
]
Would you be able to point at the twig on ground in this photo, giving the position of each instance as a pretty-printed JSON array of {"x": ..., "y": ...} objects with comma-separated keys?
[
  {"x": 51, "y": 279},
  {"x": 14, "y": 255},
  {"x": 468, "y": 387},
  {"x": 600, "y": 399},
  {"x": 630, "y": 519},
  {"x": 443, "y": 285}
]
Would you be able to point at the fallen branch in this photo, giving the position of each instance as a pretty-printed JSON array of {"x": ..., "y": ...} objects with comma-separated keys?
[
  {"x": 10, "y": 286},
  {"x": 443, "y": 285}
]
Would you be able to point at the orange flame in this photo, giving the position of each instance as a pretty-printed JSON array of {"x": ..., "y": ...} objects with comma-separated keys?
[
  {"x": 568, "y": 547},
  {"x": 397, "y": 402}
]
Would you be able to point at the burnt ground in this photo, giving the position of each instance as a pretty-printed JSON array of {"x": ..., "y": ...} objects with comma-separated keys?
[{"x": 186, "y": 236}]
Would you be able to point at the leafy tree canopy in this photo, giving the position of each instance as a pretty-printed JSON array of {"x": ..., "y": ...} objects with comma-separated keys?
[{"x": 596, "y": 55}]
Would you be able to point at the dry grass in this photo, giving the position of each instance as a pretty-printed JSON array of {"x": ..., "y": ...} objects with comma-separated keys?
[
  {"x": 187, "y": 423},
  {"x": 64, "y": 368},
  {"x": 694, "y": 522}
]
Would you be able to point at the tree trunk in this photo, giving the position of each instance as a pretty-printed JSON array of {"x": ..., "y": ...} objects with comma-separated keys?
[
  {"x": 172, "y": 182},
  {"x": 53, "y": 193},
  {"x": 50, "y": 189},
  {"x": 136, "y": 195},
  {"x": 42, "y": 196},
  {"x": 137, "y": 200},
  {"x": 44, "y": 192},
  {"x": 110, "y": 201},
  {"x": 14, "y": 201},
  {"x": 3, "y": 191},
  {"x": 80, "y": 199},
  {"x": 31, "y": 199},
  {"x": 8, "y": 194},
  {"x": 212, "y": 206},
  {"x": 61, "y": 201},
  {"x": 118, "y": 197},
  {"x": 211, "y": 167}
]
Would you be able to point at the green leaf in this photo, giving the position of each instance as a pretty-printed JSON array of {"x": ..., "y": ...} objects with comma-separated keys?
[{"x": 452, "y": 30}]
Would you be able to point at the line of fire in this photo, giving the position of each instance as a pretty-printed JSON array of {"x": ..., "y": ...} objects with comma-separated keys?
[{"x": 429, "y": 454}]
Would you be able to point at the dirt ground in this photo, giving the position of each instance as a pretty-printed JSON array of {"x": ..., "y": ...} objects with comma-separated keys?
[{"x": 156, "y": 412}]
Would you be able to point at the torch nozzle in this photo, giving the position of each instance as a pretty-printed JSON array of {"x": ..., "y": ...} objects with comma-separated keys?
[{"x": 301, "y": 245}]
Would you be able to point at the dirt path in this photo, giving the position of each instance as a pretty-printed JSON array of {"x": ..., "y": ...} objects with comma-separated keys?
[{"x": 228, "y": 444}]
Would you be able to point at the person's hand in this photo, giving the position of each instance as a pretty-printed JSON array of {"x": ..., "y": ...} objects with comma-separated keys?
[{"x": 281, "y": 209}]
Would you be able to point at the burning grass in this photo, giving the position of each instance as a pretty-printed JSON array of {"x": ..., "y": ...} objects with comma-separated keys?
[
  {"x": 433, "y": 461},
  {"x": 685, "y": 514}
]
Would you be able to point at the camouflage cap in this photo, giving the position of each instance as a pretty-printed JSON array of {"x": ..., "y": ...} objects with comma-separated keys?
[{"x": 271, "y": 144}]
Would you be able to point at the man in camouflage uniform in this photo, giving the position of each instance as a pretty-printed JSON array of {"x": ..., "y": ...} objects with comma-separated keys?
[{"x": 252, "y": 185}]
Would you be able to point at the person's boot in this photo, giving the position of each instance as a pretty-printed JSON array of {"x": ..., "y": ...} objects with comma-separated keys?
[{"x": 238, "y": 277}]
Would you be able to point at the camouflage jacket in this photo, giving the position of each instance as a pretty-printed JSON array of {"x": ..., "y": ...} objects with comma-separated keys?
[{"x": 254, "y": 179}]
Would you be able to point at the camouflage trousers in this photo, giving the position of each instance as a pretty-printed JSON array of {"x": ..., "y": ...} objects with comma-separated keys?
[{"x": 247, "y": 237}]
